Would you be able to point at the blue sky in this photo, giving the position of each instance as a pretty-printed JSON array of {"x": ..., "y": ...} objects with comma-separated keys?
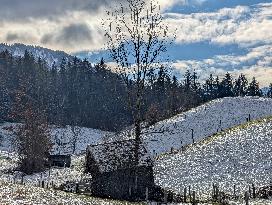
[
  {"x": 213, "y": 36},
  {"x": 219, "y": 36}
]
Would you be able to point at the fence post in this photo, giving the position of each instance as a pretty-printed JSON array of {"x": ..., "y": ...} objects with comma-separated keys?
[
  {"x": 49, "y": 174},
  {"x": 213, "y": 191},
  {"x": 190, "y": 197},
  {"x": 185, "y": 193},
  {"x": 129, "y": 191},
  {"x": 22, "y": 179},
  {"x": 146, "y": 194},
  {"x": 77, "y": 188},
  {"x": 217, "y": 192},
  {"x": 193, "y": 136},
  {"x": 172, "y": 150},
  {"x": 247, "y": 198},
  {"x": 234, "y": 191},
  {"x": 165, "y": 197},
  {"x": 194, "y": 198},
  {"x": 253, "y": 191},
  {"x": 136, "y": 183}
]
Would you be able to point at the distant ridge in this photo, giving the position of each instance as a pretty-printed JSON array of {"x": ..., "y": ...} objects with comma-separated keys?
[{"x": 50, "y": 56}]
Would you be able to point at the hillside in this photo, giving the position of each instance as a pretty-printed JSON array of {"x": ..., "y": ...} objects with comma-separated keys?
[
  {"x": 62, "y": 138},
  {"x": 240, "y": 157},
  {"x": 205, "y": 121}
]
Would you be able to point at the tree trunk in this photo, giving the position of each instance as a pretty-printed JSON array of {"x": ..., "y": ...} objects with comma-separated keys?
[{"x": 138, "y": 141}]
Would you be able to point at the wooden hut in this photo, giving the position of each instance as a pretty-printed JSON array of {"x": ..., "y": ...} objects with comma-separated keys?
[
  {"x": 118, "y": 173},
  {"x": 59, "y": 160}
]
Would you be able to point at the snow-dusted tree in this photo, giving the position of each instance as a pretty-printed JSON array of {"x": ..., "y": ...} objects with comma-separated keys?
[{"x": 137, "y": 39}]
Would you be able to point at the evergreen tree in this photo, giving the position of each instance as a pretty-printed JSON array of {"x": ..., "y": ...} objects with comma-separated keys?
[
  {"x": 226, "y": 88},
  {"x": 187, "y": 80},
  {"x": 240, "y": 86},
  {"x": 269, "y": 93},
  {"x": 209, "y": 88},
  {"x": 253, "y": 88},
  {"x": 195, "y": 83}
]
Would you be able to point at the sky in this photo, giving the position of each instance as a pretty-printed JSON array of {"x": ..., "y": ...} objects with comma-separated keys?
[{"x": 213, "y": 36}]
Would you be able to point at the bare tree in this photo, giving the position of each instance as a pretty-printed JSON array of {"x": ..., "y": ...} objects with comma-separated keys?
[
  {"x": 75, "y": 137},
  {"x": 137, "y": 39},
  {"x": 32, "y": 138}
]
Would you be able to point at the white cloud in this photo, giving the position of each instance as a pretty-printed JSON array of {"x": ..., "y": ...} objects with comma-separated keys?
[
  {"x": 242, "y": 25},
  {"x": 257, "y": 62},
  {"x": 47, "y": 33}
]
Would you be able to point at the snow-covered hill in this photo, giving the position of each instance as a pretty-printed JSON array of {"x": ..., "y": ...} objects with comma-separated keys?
[
  {"x": 46, "y": 54},
  {"x": 204, "y": 121},
  {"x": 63, "y": 138},
  {"x": 240, "y": 156}
]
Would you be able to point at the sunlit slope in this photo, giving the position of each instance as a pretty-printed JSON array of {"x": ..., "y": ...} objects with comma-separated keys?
[
  {"x": 240, "y": 157},
  {"x": 204, "y": 121}
]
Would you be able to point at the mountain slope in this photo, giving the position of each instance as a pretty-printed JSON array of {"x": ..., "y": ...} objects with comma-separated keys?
[
  {"x": 62, "y": 138},
  {"x": 240, "y": 157},
  {"x": 205, "y": 121},
  {"x": 50, "y": 56}
]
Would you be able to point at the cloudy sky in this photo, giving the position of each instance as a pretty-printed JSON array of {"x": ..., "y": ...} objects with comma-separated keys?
[{"x": 213, "y": 36}]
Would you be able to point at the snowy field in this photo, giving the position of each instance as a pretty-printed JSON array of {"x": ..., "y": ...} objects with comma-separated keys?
[
  {"x": 205, "y": 121},
  {"x": 240, "y": 202},
  {"x": 240, "y": 156},
  {"x": 55, "y": 176},
  {"x": 62, "y": 138},
  {"x": 14, "y": 194}
]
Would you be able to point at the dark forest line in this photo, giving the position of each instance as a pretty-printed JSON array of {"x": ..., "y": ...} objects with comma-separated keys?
[{"x": 79, "y": 93}]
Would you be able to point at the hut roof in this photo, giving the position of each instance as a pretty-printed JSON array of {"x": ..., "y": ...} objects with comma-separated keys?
[{"x": 118, "y": 155}]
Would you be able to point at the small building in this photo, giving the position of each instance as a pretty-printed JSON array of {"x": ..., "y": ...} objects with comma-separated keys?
[
  {"x": 118, "y": 173},
  {"x": 59, "y": 160}
]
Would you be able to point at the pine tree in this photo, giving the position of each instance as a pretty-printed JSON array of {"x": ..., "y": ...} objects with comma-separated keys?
[
  {"x": 195, "y": 83},
  {"x": 209, "y": 88},
  {"x": 217, "y": 88},
  {"x": 253, "y": 88},
  {"x": 226, "y": 89},
  {"x": 240, "y": 86},
  {"x": 187, "y": 80},
  {"x": 269, "y": 93}
]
